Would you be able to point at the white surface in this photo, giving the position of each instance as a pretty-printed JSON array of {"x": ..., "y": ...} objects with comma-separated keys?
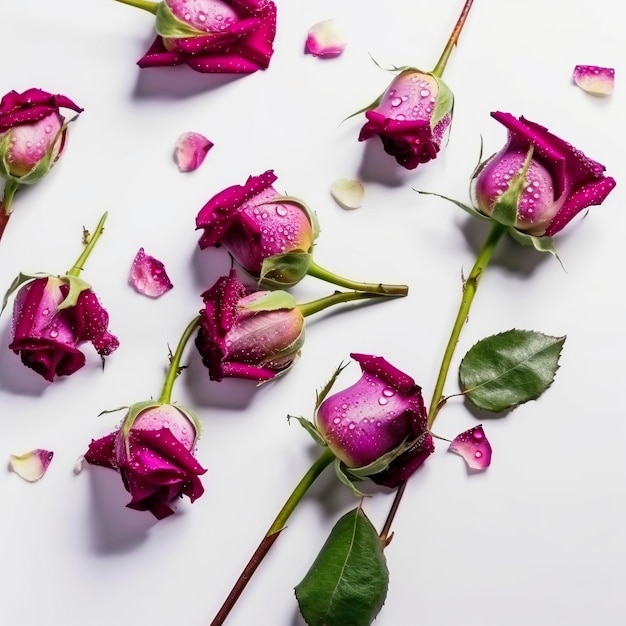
[{"x": 537, "y": 539}]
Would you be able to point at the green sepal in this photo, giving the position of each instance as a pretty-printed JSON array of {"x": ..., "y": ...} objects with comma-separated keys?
[
  {"x": 471, "y": 210},
  {"x": 347, "y": 584},
  {"x": 506, "y": 206},
  {"x": 168, "y": 25},
  {"x": 18, "y": 281},
  {"x": 505, "y": 370},
  {"x": 106, "y": 411},
  {"x": 284, "y": 270},
  {"x": 320, "y": 395},
  {"x": 5, "y": 142},
  {"x": 272, "y": 301},
  {"x": 382, "y": 462},
  {"x": 310, "y": 428},
  {"x": 77, "y": 286},
  {"x": 345, "y": 479},
  {"x": 292, "y": 348},
  {"x": 192, "y": 417},
  {"x": 541, "y": 244},
  {"x": 444, "y": 103},
  {"x": 133, "y": 412},
  {"x": 310, "y": 213},
  {"x": 369, "y": 107}
]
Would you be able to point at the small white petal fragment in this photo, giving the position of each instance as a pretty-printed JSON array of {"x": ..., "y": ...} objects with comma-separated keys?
[
  {"x": 474, "y": 447},
  {"x": 148, "y": 276},
  {"x": 323, "y": 40},
  {"x": 348, "y": 193},
  {"x": 191, "y": 149},
  {"x": 32, "y": 465},
  {"x": 78, "y": 466},
  {"x": 599, "y": 81}
]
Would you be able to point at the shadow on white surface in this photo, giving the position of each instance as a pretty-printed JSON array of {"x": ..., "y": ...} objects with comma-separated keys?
[
  {"x": 379, "y": 167},
  {"x": 114, "y": 528},
  {"x": 15, "y": 377}
]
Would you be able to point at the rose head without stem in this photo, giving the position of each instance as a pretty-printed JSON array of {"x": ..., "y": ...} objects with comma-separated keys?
[
  {"x": 31, "y": 131},
  {"x": 411, "y": 117},
  {"x": 256, "y": 230},
  {"x": 154, "y": 454},
  {"x": 248, "y": 334},
  {"x": 229, "y": 36},
  {"x": 380, "y": 412},
  {"x": 560, "y": 181},
  {"x": 47, "y": 337}
]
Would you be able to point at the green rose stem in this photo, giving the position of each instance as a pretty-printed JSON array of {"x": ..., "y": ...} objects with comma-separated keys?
[
  {"x": 272, "y": 533},
  {"x": 438, "y": 400},
  {"x": 174, "y": 370},
  {"x": 151, "y": 7},
  {"x": 10, "y": 187},
  {"x": 315, "y": 306},
  {"x": 378, "y": 288},
  {"x": 77, "y": 268},
  {"x": 454, "y": 38}
]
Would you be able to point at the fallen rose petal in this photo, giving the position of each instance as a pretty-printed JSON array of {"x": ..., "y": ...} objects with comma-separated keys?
[
  {"x": 78, "y": 465},
  {"x": 596, "y": 80},
  {"x": 32, "y": 465},
  {"x": 474, "y": 447},
  {"x": 323, "y": 40},
  {"x": 148, "y": 276},
  {"x": 191, "y": 149},
  {"x": 348, "y": 193}
]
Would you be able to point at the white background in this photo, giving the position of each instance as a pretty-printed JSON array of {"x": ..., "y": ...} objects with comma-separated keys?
[{"x": 537, "y": 539}]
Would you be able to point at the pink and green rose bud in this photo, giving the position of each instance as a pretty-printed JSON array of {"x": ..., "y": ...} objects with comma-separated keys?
[
  {"x": 269, "y": 235},
  {"x": 32, "y": 133},
  {"x": 559, "y": 180},
  {"x": 227, "y": 36},
  {"x": 248, "y": 334},
  {"x": 411, "y": 117},
  {"x": 381, "y": 416},
  {"x": 52, "y": 317},
  {"x": 154, "y": 453}
]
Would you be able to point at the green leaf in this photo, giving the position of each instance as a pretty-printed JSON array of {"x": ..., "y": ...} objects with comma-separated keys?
[
  {"x": 284, "y": 270},
  {"x": 309, "y": 427},
  {"x": 508, "y": 369},
  {"x": 167, "y": 25},
  {"x": 347, "y": 584},
  {"x": 273, "y": 301}
]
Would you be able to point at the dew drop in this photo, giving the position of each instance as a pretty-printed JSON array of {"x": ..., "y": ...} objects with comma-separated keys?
[
  {"x": 478, "y": 454},
  {"x": 400, "y": 117},
  {"x": 389, "y": 392},
  {"x": 54, "y": 333},
  {"x": 46, "y": 312},
  {"x": 424, "y": 93},
  {"x": 352, "y": 426},
  {"x": 396, "y": 102},
  {"x": 264, "y": 216},
  {"x": 337, "y": 420},
  {"x": 477, "y": 434},
  {"x": 382, "y": 401},
  {"x": 166, "y": 424},
  {"x": 281, "y": 210}
]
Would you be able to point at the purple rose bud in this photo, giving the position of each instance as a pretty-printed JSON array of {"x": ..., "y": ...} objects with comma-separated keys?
[
  {"x": 154, "y": 453},
  {"x": 381, "y": 411},
  {"x": 273, "y": 240},
  {"x": 248, "y": 334},
  {"x": 32, "y": 135},
  {"x": 411, "y": 117},
  {"x": 228, "y": 36},
  {"x": 560, "y": 181},
  {"x": 47, "y": 336}
]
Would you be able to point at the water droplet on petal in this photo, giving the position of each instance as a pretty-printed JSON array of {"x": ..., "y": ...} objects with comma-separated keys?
[
  {"x": 382, "y": 401},
  {"x": 396, "y": 102},
  {"x": 281, "y": 210}
]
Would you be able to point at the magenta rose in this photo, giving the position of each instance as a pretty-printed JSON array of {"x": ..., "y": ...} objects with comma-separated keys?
[
  {"x": 381, "y": 417},
  {"x": 154, "y": 453},
  {"x": 411, "y": 117},
  {"x": 559, "y": 183},
  {"x": 248, "y": 334},
  {"x": 227, "y": 36},
  {"x": 32, "y": 133},
  {"x": 47, "y": 334},
  {"x": 272, "y": 241}
]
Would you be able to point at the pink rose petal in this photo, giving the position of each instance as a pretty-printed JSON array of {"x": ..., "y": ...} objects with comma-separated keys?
[
  {"x": 474, "y": 447},
  {"x": 596, "y": 80},
  {"x": 32, "y": 465},
  {"x": 323, "y": 40},
  {"x": 148, "y": 275},
  {"x": 191, "y": 149}
]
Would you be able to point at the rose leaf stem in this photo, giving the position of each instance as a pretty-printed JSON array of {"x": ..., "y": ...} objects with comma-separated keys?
[
  {"x": 469, "y": 291},
  {"x": 151, "y": 7},
  {"x": 315, "y": 306},
  {"x": 174, "y": 368},
  {"x": 272, "y": 533},
  {"x": 379, "y": 288},
  {"x": 10, "y": 187},
  {"x": 77, "y": 268},
  {"x": 452, "y": 41}
]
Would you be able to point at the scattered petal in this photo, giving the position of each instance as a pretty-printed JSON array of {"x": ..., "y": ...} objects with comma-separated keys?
[
  {"x": 148, "y": 275},
  {"x": 32, "y": 465},
  {"x": 323, "y": 40},
  {"x": 191, "y": 149},
  {"x": 599, "y": 81},
  {"x": 78, "y": 466},
  {"x": 348, "y": 193},
  {"x": 474, "y": 447}
]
